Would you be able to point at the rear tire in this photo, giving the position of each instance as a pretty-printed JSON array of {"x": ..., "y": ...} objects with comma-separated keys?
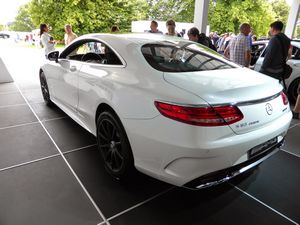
[
  {"x": 114, "y": 147},
  {"x": 45, "y": 89},
  {"x": 292, "y": 90}
]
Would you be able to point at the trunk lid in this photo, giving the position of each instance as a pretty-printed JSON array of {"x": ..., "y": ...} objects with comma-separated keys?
[{"x": 256, "y": 95}]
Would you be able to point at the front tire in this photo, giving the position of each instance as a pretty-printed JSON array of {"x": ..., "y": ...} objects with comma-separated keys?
[
  {"x": 45, "y": 89},
  {"x": 114, "y": 146}
]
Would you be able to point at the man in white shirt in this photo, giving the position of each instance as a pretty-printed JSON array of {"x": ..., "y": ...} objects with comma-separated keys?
[
  {"x": 239, "y": 47},
  {"x": 69, "y": 35}
]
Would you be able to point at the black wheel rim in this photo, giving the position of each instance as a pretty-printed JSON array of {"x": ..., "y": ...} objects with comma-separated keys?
[
  {"x": 110, "y": 145},
  {"x": 44, "y": 88}
]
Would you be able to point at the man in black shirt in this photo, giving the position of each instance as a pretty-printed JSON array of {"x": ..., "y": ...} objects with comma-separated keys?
[
  {"x": 276, "y": 52},
  {"x": 196, "y": 36}
]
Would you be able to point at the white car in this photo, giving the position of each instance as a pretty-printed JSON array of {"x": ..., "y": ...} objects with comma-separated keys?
[
  {"x": 258, "y": 52},
  {"x": 167, "y": 107}
]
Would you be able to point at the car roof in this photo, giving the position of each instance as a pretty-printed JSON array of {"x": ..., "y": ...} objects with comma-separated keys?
[
  {"x": 294, "y": 42},
  {"x": 137, "y": 38},
  {"x": 261, "y": 42}
]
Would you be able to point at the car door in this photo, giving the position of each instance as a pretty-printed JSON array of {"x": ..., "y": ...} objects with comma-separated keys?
[
  {"x": 64, "y": 82},
  {"x": 96, "y": 80}
]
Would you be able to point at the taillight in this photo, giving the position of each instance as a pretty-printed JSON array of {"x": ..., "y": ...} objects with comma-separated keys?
[
  {"x": 201, "y": 116},
  {"x": 284, "y": 98}
]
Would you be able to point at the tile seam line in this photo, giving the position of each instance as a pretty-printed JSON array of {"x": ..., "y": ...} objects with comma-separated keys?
[
  {"x": 288, "y": 152},
  {"x": 294, "y": 125},
  {"x": 64, "y": 158},
  {"x": 29, "y": 162},
  {"x": 12, "y": 105},
  {"x": 139, "y": 204},
  {"x": 9, "y": 92},
  {"x": 31, "y": 123},
  {"x": 264, "y": 204},
  {"x": 43, "y": 158}
]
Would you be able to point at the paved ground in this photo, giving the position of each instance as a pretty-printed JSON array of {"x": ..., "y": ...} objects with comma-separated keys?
[{"x": 51, "y": 172}]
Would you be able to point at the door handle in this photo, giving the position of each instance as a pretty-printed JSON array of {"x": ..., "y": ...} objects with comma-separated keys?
[{"x": 73, "y": 68}]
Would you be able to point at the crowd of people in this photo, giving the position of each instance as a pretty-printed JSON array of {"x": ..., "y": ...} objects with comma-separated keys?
[{"x": 236, "y": 48}]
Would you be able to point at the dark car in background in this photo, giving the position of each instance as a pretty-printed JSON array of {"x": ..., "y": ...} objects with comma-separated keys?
[{"x": 4, "y": 36}]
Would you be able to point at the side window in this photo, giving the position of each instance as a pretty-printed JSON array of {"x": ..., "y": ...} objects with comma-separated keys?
[
  {"x": 92, "y": 52},
  {"x": 171, "y": 57}
]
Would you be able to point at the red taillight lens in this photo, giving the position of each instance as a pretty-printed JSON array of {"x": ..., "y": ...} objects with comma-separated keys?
[
  {"x": 201, "y": 116},
  {"x": 284, "y": 98}
]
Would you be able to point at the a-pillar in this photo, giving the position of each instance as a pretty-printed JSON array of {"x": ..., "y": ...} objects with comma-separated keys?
[
  {"x": 293, "y": 17},
  {"x": 201, "y": 15}
]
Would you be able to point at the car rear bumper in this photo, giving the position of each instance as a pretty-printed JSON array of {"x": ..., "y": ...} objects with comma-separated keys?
[
  {"x": 223, "y": 175},
  {"x": 179, "y": 154}
]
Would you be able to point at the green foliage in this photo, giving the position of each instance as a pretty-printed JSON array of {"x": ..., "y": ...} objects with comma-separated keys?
[
  {"x": 179, "y": 10},
  {"x": 87, "y": 16},
  {"x": 297, "y": 32},
  {"x": 281, "y": 10},
  {"x": 1, "y": 27},
  {"x": 227, "y": 15},
  {"x": 23, "y": 20}
]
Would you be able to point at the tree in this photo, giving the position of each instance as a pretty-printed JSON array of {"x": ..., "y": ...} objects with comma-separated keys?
[
  {"x": 281, "y": 10},
  {"x": 179, "y": 10},
  {"x": 227, "y": 15},
  {"x": 1, "y": 27},
  {"x": 23, "y": 21},
  {"x": 87, "y": 16}
]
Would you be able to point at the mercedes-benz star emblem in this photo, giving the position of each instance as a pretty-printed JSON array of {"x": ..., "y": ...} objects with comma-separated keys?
[{"x": 269, "y": 108}]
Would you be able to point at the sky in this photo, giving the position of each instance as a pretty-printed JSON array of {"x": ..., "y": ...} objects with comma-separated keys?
[{"x": 9, "y": 9}]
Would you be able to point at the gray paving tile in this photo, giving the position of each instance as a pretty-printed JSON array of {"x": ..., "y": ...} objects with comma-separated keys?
[
  {"x": 15, "y": 115},
  {"x": 45, "y": 112},
  {"x": 292, "y": 143},
  {"x": 111, "y": 196},
  {"x": 33, "y": 96},
  {"x": 28, "y": 84},
  {"x": 11, "y": 99},
  {"x": 68, "y": 135},
  {"x": 216, "y": 206},
  {"x": 8, "y": 87},
  {"x": 45, "y": 193},
  {"x": 294, "y": 122},
  {"x": 276, "y": 182},
  {"x": 23, "y": 144}
]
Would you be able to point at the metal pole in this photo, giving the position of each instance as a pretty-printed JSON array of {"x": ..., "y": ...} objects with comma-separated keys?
[
  {"x": 201, "y": 15},
  {"x": 293, "y": 17}
]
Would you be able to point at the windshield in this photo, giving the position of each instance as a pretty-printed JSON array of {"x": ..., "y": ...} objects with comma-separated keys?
[{"x": 181, "y": 57}]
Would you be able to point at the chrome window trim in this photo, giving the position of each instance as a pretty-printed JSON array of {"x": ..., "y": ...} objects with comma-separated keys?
[
  {"x": 245, "y": 103},
  {"x": 262, "y": 100}
]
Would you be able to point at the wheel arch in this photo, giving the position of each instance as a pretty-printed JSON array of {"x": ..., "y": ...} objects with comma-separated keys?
[{"x": 104, "y": 107}]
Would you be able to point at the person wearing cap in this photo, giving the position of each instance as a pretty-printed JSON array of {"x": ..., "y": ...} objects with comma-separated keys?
[{"x": 171, "y": 28}]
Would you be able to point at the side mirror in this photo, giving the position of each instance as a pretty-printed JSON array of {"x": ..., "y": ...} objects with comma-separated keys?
[{"x": 53, "y": 56}]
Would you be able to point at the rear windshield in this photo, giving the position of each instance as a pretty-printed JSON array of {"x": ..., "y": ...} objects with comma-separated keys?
[{"x": 181, "y": 57}]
